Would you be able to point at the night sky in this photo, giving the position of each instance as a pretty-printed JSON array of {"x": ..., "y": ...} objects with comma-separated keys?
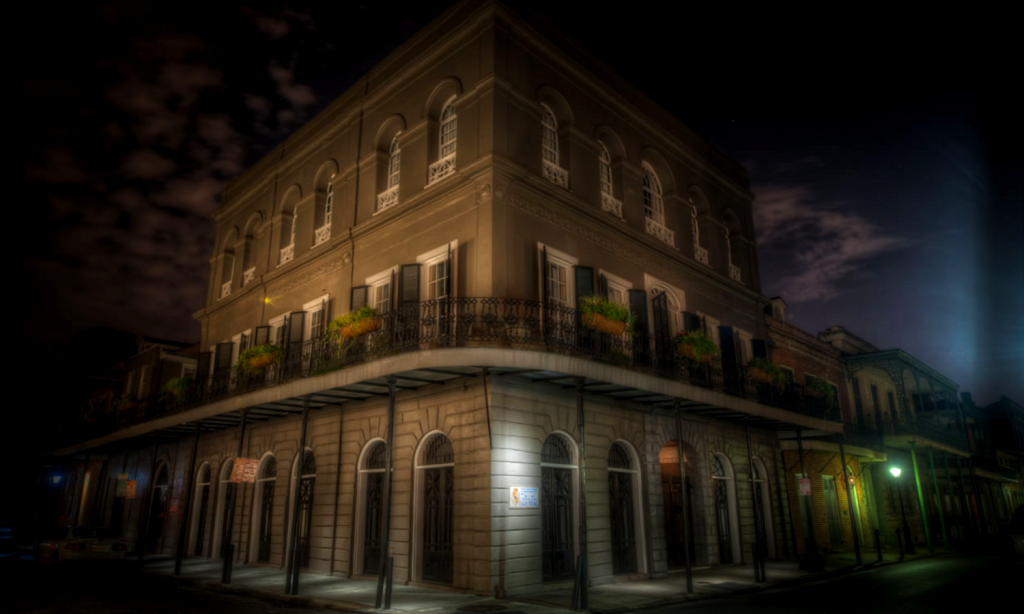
[{"x": 884, "y": 152}]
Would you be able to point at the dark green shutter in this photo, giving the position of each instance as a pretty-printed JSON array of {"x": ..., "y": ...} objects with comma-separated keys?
[
  {"x": 691, "y": 321},
  {"x": 409, "y": 291},
  {"x": 728, "y": 353},
  {"x": 224, "y": 351},
  {"x": 584, "y": 282},
  {"x": 544, "y": 272},
  {"x": 203, "y": 366},
  {"x": 358, "y": 298},
  {"x": 759, "y": 348},
  {"x": 638, "y": 306},
  {"x": 296, "y": 327},
  {"x": 262, "y": 335}
]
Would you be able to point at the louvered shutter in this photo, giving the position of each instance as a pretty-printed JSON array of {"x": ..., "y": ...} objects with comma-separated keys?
[
  {"x": 262, "y": 335},
  {"x": 224, "y": 351},
  {"x": 450, "y": 270},
  {"x": 407, "y": 318},
  {"x": 586, "y": 338},
  {"x": 728, "y": 354},
  {"x": 638, "y": 310},
  {"x": 358, "y": 298},
  {"x": 545, "y": 283},
  {"x": 602, "y": 286},
  {"x": 759, "y": 348},
  {"x": 663, "y": 334},
  {"x": 203, "y": 366},
  {"x": 296, "y": 327},
  {"x": 692, "y": 321}
]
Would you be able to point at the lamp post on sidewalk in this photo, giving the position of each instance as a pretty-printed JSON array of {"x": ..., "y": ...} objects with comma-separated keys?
[{"x": 896, "y": 471}]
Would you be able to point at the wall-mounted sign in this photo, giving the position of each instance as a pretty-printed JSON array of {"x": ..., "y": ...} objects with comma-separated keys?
[
  {"x": 244, "y": 470},
  {"x": 174, "y": 506},
  {"x": 805, "y": 487},
  {"x": 129, "y": 490},
  {"x": 522, "y": 497},
  {"x": 122, "y": 485}
]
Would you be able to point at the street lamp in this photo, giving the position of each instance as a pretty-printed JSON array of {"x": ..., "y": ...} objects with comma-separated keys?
[{"x": 909, "y": 543}]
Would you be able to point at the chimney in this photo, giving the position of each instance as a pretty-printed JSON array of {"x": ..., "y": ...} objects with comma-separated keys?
[
  {"x": 966, "y": 396},
  {"x": 778, "y": 308}
]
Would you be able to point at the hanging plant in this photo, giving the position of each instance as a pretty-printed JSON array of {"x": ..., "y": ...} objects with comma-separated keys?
[
  {"x": 765, "y": 371},
  {"x": 255, "y": 358},
  {"x": 178, "y": 387},
  {"x": 355, "y": 323},
  {"x": 820, "y": 389},
  {"x": 696, "y": 345},
  {"x": 601, "y": 315}
]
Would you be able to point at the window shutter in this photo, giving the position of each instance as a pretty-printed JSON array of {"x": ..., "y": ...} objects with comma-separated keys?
[
  {"x": 394, "y": 291},
  {"x": 203, "y": 366},
  {"x": 262, "y": 335},
  {"x": 409, "y": 291},
  {"x": 544, "y": 268},
  {"x": 224, "y": 351},
  {"x": 638, "y": 306},
  {"x": 691, "y": 321},
  {"x": 584, "y": 282},
  {"x": 730, "y": 358},
  {"x": 450, "y": 266},
  {"x": 296, "y": 327},
  {"x": 358, "y": 299},
  {"x": 602, "y": 286},
  {"x": 759, "y": 348},
  {"x": 662, "y": 333}
]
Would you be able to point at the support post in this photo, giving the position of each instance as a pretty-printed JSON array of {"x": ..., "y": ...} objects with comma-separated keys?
[
  {"x": 938, "y": 498},
  {"x": 228, "y": 552},
  {"x": 183, "y": 522},
  {"x": 385, "y": 543},
  {"x": 292, "y": 574},
  {"x": 968, "y": 517},
  {"x": 920, "y": 499},
  {"x": 778, "y": 500},
  {"x": 949, "y": 485},
  {"x": 147, "y": 503},
  {"x": 580, "y": 599},
  {"x": 685, "y": 497},
  {"x": 753, "y": 505},
  {"x": 849, "y": 501},
  {"x": 812, "y": 561}
]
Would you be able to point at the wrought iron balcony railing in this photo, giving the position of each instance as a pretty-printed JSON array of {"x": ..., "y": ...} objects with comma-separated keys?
[
  {"x": 482, "y": 322},
  {"x": 911, "y": 424}
]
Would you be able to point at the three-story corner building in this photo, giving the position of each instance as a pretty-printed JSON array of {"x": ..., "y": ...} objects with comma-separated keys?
[{"x": 471, "y": 189}]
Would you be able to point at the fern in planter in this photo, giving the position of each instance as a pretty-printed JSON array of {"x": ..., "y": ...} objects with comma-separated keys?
[
  {"x": 601, "y": 315},
  {"x": 821, "y": 389},
  {"x": 765, "y": 371},
  {"x": 355, "y": 323},
  {"x": 696, "y": 345},
  {"x": 177, "y": 388},
  {"x": 255, "y": 358}
]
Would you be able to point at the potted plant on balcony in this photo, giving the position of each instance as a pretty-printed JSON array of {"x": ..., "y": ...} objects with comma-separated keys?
[
  {"x": 177, "y": 388},
  {"x": 766, "y": 372},
  {"x": 255, "y": 358},
  {"x": 695, "y": 345},
  {"x": 601, "y": 315},
  {"x": 820, "y": 389},
  {"x": 356, "y": 323}
]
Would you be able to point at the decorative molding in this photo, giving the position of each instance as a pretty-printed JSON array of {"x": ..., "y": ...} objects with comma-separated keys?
[
  {"x": 311, "y": 276},
  {"x": 483, "y": 192}
]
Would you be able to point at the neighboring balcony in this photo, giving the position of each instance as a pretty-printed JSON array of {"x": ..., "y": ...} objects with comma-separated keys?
[
  {"x": 661, "y": 232},
  {"x": 556, "y": 174},
  {"x": 322, "y": 235},
  {"x": 248, "y": 276},
  {"x": 441, "y": 169},
  {"x": 225, "y": 289},
  {"x": 494, "y": 323},
  {"x": 611, "y": 205},
  {"x": 387, "y": 198},
  {"x": 734, "y": 272},
  {"x": 911, "y": 428},
  {"x": 701, "y": 254},
  {"x": 287, "y": 253}
]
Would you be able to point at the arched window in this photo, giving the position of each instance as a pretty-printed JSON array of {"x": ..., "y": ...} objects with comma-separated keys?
[
  {"x": 695, "y": 227},
  {"x": 449, "y": 129},
  {"x": 724, "y": 495},
  {"x": 624, "y": 509},
  {"x": 763, "y": 504},
  {"x": 263, "y": 508},
  {"x": 394, "y": 163},
  {"x": 329, "y": 205},
  {"x": 654, "y": 208},
  {"x": 225, "y": 492},
  {"x": 370, "y": 513},
  {"x": 435, "y": 502},
  {"x": 197, "y": 533},
  {"x": 604, "y": 165},
  {"x": 307, "y": 480},
  {"x": 549, "y": 136},
  {"x": 557, "y": 496}
]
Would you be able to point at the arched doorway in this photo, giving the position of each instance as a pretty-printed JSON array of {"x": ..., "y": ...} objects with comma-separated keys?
[
  {"x": 263, "y": 507},
  {"x": 763, "y": 504},
  {"x": 202, "y": 506},
  {"x": 307, "y": 482},
  {"x": 225, "y": 491},
  {"x": 157, "y": 510},
  {"x": 726, "y": 520},
  {"x": 435, "y": 477},
  {"x": 557, "y": 502},
  {"x": 373, "y": 465},
  {"x": 624, "y": 508},
  {"x": 672, "y": 505}
]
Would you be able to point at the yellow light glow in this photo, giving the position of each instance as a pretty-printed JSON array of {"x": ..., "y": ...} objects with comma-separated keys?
[{"x": 266, "y": 299}]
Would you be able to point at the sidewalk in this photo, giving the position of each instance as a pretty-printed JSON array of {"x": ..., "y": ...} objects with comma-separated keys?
[{"x": 326, "y": 591}]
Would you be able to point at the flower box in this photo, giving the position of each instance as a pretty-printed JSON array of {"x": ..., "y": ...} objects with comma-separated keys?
[
  {"x": 361, "y": 327},
  {"x": 597, "y": 321},
  {"x": 263, "y": 360},
  {"x": 688, "y": 352},
  {"x": 759, "y": 375}
]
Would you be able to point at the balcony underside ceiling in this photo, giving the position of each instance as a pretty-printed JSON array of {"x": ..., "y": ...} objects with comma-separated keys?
[
  {"x": 905, "y": 442},
  {"x": 414, "y": 370}
]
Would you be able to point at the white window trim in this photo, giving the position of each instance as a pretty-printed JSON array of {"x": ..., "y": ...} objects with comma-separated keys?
[
  {"x": 213, "y": 358},
  {"x": 128, "y": 383},
  {"x": 619, "y": 283},
  {"x": 746, "y": 345},
  {"x": 677, "y": 323},
  {"x": 558, "y": 257},
  {"x": 311, "y": 307},
  {"x": 712, "y": 324},
  {"x": 433, "y": 257},
  {"x": 276, "y": 323},
  {"x": 375, "y": 281},
  {"x": 188, "y": 370}
]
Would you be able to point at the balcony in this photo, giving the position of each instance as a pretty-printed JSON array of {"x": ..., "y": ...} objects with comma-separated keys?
[
  {"x": 657, "y": 230},
  {"x": 556, "y": 174},
  {"x": 611, "y": 205},
  {"x": 225, "y": 289},
  {"x": 734, "y": 271},
  {"x": 322, "y": 235},
  {"x": 911, "y": 427},
  {"x": 248, "y": 276},
  {"x": 701, "y": 254},
  {"x": 287, "y": 253},
  {"x": 511, "y": 324},
  {"x": 441, "y": 169},
  {"x": 387, "y": 198}
]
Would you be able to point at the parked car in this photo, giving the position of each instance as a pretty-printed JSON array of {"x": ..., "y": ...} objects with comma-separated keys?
[
  {"x": 1017, "y": 533},
  {"x": 81, "y": 543}
]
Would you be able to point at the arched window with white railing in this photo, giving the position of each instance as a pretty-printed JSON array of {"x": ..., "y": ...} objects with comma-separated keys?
[
  {"x": 654, "y": 207},
  {"x": 446, "y": 143}
]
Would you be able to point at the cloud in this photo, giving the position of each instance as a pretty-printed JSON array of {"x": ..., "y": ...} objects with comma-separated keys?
[
  {"x": 297, "y": 94},
  {"x": 147, "y": 164},
  {"x": 273, "y": 28},
  {"x": 823, "y": 246}
]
